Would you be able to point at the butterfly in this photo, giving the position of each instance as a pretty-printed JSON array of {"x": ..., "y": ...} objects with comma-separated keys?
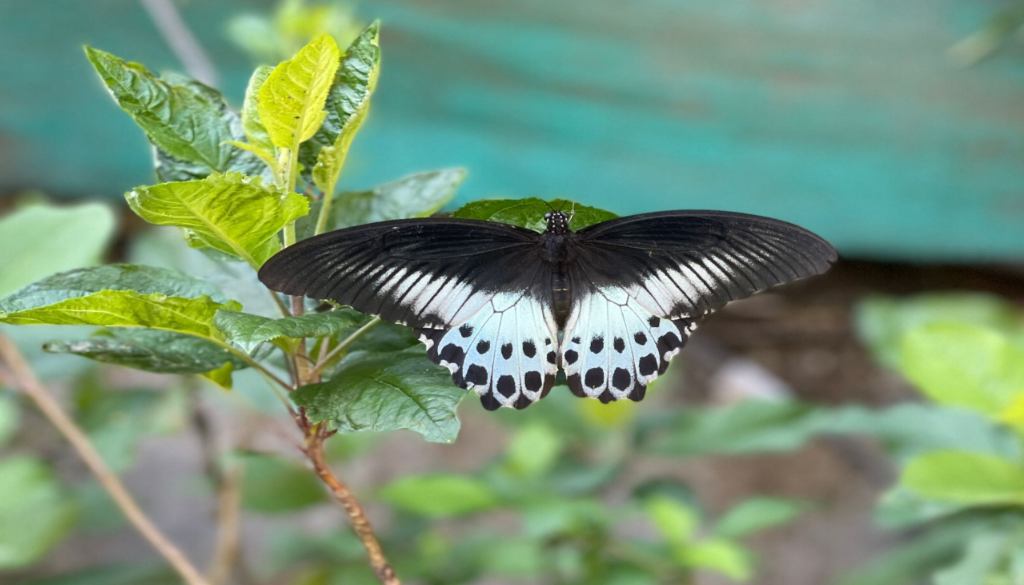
[{"x": 504, "y": 308}]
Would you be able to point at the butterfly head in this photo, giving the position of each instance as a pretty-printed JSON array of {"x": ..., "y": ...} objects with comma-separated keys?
[{"x": 558, "y": 222}]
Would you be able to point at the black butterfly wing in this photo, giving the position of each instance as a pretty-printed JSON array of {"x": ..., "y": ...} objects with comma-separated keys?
[
  {"x": 642, "y": 282},
  {"x": 473, "y": 290}
]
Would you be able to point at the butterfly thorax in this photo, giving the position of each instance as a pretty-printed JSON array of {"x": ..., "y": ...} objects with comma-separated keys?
[{"x": 557, "y": 251}]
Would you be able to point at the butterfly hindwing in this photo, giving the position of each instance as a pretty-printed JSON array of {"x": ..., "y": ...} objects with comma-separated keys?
[
  {"x": 613, "y": 346},
  {"x": 505, "y": 352}
]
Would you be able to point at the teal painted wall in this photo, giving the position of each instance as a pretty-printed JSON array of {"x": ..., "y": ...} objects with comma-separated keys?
[{"x": 846, "y": 117}]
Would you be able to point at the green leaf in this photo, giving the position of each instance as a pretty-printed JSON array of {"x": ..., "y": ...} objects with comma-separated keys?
[
  {"x": 117, "y": 295},
  {"x": 189, "y": 123},
  {"x": 755, "y": 515},
  {"x": 719, "y": 555},
  {"x": 347, "y": 105},
  {"x": 291, "y": 100},
  {"x": 759, "y": 426},
  {"x": 151, "y": 350},
  {"x": 229, "y": 213},
  {"x": 249, "y": 331},
  {"x": 981, "y": 560},
  {"x": 255, "y": 132},
  {"x": 677, "y": 523},
  {"x": 134, "y": 573},
  {"x": 439, "y": 496},
  {"x": 883, "y": 321},
  {"x": 418, "y": 195},
  {"x": 386, "y": 392},
  {"x": 964, "y": 365},
  {"x": 533, "y": 450},
  {"x": 273, "y": 485},
  {"x": 529, "y": 212},
  {"x": 965, "y": 478},
  {"x": 39, "y": 240},
  {"x": 34, "y": 511}
]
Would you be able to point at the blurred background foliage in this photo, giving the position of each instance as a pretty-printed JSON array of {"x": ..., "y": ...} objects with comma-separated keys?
[{"x": 894, "y": 130}]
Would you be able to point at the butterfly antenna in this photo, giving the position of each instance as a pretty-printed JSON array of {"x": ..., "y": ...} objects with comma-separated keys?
[{"x": 572, "y": 211}]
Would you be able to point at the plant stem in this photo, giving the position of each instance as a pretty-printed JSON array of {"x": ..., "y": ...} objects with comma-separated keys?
[
  {"x": 357, "y": 516},
  {"x": 325, "y": 211},
  {"x": 26, "y": 380},
  {"x": 345, "y": 344}
]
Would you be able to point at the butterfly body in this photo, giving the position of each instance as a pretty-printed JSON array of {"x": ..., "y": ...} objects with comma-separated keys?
[{"x": 505, "y": 308}]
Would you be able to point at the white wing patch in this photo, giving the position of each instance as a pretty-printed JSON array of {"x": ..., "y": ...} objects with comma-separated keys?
[
  {"x": 504, "y": 351},
  {"x": 614, "y": 345}
]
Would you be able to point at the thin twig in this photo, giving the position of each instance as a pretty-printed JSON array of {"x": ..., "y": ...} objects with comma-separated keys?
[
  {"x": 227, "y": 550},
  {"x": 180, "y": 39},
  {"x": 357, "y": 516},
  {"x": 225, "y": 481},
  {"x": 23, "y": 378},
  {"x": 344, "y": 345}
]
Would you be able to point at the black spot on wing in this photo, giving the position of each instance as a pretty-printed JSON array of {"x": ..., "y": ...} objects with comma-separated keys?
[
  {"x": 506, "y": 351},
  {"x": 637, "y": 393},
  {"x": 606, "y": 397},
  {"x": 452, "y": 354},
  {"x": 621, "y": 378},
  {"x": 640, "y": 338},
  {"x": 490, "y": 402},
  {"x": 597, "y": 345},
  {"x": 594, "y": 377},
  {"x": 506, "y": 386},
  {"x": 533, "y": 381},
  {"x": 571, "y": 356},
  {"x": 483, "y": 346},
  {"x": 648, "y": 365},
  {"x": 552, "y": 358},
  {"x": 619, "y": 345},
  {"x": 466, "y": 330},
  {"x": 573, "y": 382},
  {"x": 477, "y": 375},
  {"x": 529, "y": 349}
]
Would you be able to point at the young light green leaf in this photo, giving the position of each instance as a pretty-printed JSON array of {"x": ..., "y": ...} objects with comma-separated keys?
[
  {"x": 291, "y": 100},
  {"x": 386, "y": 392},
  {"x": 249, "y": 331},
  {"x": 756, "y": 514},
  {"x": 883, "y": 321},
  {"x": 39, "y": 240},
  {"x": 529, "y": 212},
  {"x": 34, "y": 512},
  {"x": 533, "y": 450},
  {"x": 255, "y": 132},
  {"x": 965, "y": 478},
  {"x": 418, "y": 195},
  {"x": 150, "y": 350},
  {"x": 273, "y": 485},
  {"x": 439, "y": 495},
  {"x": 229, "y": 213},
  {"x": 719, "y": 555},
  {"x": 347, "y": 106},
  {"x": 188, "y": 123},
  {"x": 119, "y": 295},
  {"x": 964, "y": 365},
  {"x": 677, "y": 523}
]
